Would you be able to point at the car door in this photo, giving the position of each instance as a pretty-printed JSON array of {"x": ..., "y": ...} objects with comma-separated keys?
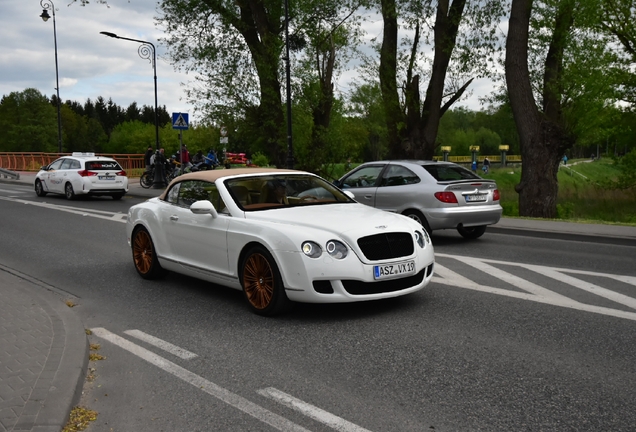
[
  {"x": 53, "y": 178},
  {"x": 197, "y": 241},
  {"x": 65, "y": 175},
  {"x": 362, "y": 182},
  {"x": 399, "y": 188}
]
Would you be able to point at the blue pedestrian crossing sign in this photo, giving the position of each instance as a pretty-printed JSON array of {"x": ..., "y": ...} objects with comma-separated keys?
[{"x": 180, "y": 121}]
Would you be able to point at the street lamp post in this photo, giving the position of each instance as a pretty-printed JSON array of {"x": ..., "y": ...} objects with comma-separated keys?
[
  {"x": 147, "y": 51},
  {"x": 46, "y": 5}
]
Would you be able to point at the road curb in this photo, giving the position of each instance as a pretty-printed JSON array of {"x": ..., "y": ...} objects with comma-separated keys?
[{"x": 571, "y": 236}]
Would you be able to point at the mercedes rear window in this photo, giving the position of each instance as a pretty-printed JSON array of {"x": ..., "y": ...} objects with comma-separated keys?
[
  {"x": 450, "y": 172},
  {"x": 102, "y": 166}
]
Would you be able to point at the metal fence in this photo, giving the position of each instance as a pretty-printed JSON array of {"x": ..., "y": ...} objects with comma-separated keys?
[{"x": 33, "y": 161}]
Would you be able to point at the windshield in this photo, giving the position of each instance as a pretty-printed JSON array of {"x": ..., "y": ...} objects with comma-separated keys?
[{"x": 283, "y": 190}]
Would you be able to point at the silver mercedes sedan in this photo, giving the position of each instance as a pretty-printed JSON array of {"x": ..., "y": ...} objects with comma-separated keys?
[{"x": 439, "y": 195}]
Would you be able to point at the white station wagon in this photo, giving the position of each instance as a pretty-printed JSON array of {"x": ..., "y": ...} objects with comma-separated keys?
[
  {"x": 279, "y": 236},
  {"x": 82, "y": 174}
]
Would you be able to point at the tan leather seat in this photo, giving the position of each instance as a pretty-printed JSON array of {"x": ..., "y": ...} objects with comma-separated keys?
[{"x": 242, "y": 195}]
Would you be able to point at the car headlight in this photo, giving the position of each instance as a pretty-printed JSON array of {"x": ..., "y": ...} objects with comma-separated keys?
[
  {"x": 311, "y": 249},
  {"x": 337, "y": 249}
]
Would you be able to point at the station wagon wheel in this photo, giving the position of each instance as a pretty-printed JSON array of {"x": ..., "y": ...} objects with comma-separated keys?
[
  {"x": 418, "y": 217},
  {"x": 145, "y": 255},
  {"x": 262, "y": 284},
  {"x": 471, "y": 232},
  {"x": 39, "y": 189},
  {"x": 69, "y": 192}
]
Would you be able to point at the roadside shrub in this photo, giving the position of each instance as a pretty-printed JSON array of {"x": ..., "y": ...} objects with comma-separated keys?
[{"x": 259, "y": 159}]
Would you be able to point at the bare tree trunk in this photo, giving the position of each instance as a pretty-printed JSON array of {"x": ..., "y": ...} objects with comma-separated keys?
[
  {"x": 388, "y": 78},
  {"x": 446, "y": 28},
  {"x": 321, "y": 112},
  {"x": 261, "y": 32},
  {"x": 542, "y": 138}
]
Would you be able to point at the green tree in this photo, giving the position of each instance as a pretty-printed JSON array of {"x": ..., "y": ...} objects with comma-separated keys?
[
  {"x": 554, "y": 59},
  {"x": 367, "y": 123},
  {"x": 211, "y": 37},
  {"x": 28, "y": 123},
  {"x": 462, "y": 34},
  {"x": 131, "y": 137}
]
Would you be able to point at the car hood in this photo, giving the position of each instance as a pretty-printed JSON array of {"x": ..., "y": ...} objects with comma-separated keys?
[{"x": 347, "y": 220}]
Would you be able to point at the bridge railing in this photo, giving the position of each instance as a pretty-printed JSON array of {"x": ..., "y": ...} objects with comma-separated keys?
[
  {"x": 32, "y": 161},
  {"x": 134, "y": 163}
]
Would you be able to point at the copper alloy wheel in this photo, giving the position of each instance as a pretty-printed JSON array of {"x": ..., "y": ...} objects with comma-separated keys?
[
  {"x": 258, "y": 281},
  {"x": 142, "y": 252}
]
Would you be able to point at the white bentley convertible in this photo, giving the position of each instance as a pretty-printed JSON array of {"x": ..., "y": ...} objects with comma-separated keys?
[{"x": 278, "y": 235}]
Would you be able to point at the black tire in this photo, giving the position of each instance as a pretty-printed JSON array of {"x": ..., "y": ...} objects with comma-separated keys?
[
  {"x": 39, "y": 189},
  {"x": 117, "y": 197},
  {"x": 145, "y": 181},
  {"x": 69, "y": 192},
  {"x": 418, "y": 217},
  {"x": 145, "y": 256},
  {"x": 262, "y": 285},
  {"x": 471, "y": 232}
]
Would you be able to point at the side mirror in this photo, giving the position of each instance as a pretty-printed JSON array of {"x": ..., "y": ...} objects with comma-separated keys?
[
  {"x": 337, "y": 183},
  {"x": 349, "y": 194},
  {"x": 204, "y": 207}
]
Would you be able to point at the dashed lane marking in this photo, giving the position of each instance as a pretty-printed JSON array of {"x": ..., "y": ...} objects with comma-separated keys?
[
  {"x": 100, "y": 214},
  {"x": 232, "y": 399},
  {"x": 311, "y": 411},
  {"x": 162, "y": 344}
]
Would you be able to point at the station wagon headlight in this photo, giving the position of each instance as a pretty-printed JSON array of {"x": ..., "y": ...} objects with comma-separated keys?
[
  {"x": 311, "y": 249},
  {"x": 337, "y": 249}
]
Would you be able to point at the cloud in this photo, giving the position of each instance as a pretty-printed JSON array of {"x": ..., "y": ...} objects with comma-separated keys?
[{"x": 92, "y": 65}]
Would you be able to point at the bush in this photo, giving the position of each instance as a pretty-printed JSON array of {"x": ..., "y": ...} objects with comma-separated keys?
[{"x": 259, "y": 159}]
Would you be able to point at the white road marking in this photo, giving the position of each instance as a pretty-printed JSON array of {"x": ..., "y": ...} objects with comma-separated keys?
[
  {"x": 514, "y": 280},
  {"x": 15, "y": 191},
  {"x": 589, "y": 287},
  {"x": 162, "y": 344},
  {"x": 311, "y": 411},
  {"x": 250, "y": 408},
  {"x": 100, "y": 214},
  {"x": 451, "y": 278}
]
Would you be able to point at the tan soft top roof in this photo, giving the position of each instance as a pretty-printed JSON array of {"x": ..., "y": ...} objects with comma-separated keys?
[{"x": 213, "y": 175}]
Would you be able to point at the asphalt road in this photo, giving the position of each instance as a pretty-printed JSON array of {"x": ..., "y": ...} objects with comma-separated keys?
[{"x": 476, "y": 350}]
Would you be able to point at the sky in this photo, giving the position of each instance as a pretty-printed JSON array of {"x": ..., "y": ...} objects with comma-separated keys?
[{"x": 92, "y": 65}]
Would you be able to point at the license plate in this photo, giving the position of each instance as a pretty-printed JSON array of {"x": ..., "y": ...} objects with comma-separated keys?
[
  {"x": 475, "y": 198},
  {"x": 106, "y": 177},
  {"x": 389, "y": 271}
]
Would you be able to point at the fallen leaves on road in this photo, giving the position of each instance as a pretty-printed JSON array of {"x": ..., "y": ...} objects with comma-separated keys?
[{"x": 79, "y": 419}]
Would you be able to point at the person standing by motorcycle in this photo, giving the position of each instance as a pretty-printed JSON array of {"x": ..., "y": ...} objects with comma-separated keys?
[
  {"x": 148, "y": 158},
  {"x": 210, "y": 160},
  {"x": 197, "y": 158},
  {"x": 185, "y": 158}
]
